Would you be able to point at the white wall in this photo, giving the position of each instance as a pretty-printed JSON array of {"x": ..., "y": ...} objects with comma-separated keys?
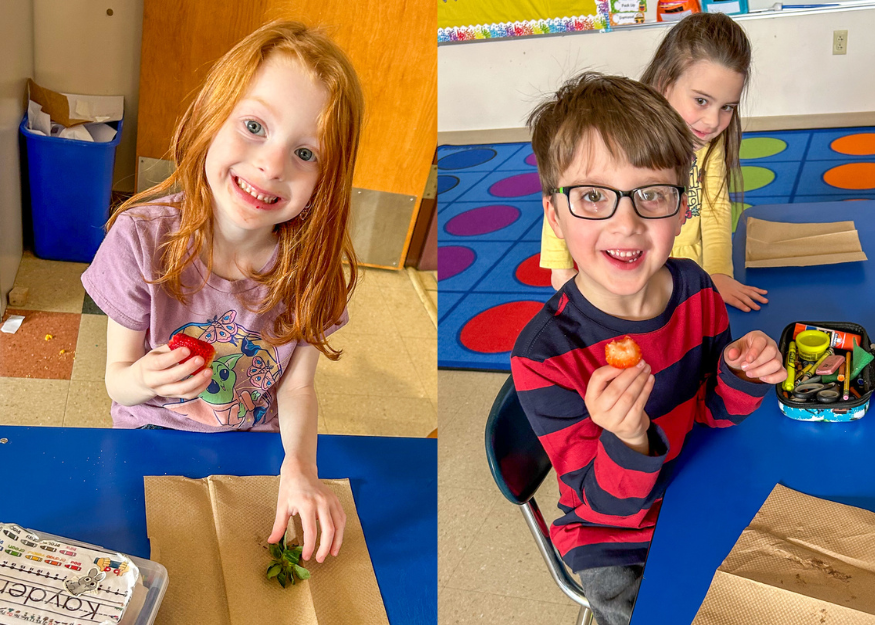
[
  {"x": 78, "y": 48},
  {"x": 494, "y": 84},
  {"x": 16, "y": 52}
]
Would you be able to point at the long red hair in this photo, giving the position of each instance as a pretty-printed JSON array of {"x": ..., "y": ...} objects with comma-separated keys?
[{"x": 308, "y": 280}]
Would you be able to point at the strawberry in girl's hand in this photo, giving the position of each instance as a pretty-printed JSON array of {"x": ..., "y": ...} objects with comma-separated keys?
[
  {"x": 623, "y": 354},
  {"x": 196, "y": 347}
]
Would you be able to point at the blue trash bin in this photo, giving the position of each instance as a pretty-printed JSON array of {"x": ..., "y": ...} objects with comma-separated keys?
[{"x": 70, "y": 188}]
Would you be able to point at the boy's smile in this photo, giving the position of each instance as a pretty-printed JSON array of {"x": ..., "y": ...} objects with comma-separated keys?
[{"x": 619, "y": 257}]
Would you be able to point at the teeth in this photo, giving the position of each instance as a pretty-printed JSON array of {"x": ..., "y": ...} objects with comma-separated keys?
[
  {"x": 267, "y": 199},
  {"x": 624, "y": 255}
]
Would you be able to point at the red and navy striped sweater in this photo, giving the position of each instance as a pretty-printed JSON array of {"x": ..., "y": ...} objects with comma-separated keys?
[{"x": 609, "y": 493}]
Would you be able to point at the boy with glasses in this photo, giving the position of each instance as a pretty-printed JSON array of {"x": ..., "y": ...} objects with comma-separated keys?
[{"x": 612, "y": 158}]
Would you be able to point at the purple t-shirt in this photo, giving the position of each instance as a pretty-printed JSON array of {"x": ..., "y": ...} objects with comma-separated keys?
[{"x": 246, "y": 368}]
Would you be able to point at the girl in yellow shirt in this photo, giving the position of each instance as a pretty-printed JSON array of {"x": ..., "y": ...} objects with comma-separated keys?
[{"x": 701, "y": 67}]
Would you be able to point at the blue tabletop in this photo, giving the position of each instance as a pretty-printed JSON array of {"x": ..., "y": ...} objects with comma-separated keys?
[
  {"x": 87, "y": 484},
  {"x": 724, "y": 476}
]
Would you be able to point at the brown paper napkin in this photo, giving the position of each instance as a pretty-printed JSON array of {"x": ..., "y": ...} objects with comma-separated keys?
[
  {"x": 801, "y": 560},
  {"x": 211, "y": 535},
  {"x": 778, "y": 244}
]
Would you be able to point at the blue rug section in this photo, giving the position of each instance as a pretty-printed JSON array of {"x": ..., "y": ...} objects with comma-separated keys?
[{"x": 490, "y": 217}]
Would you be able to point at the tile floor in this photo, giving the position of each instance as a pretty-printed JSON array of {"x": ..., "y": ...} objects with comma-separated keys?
[
  {"x": 51, "y": 370},
  {"x": 489, "y": 569}
]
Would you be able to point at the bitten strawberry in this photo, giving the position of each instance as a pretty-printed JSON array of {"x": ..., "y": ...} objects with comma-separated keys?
[
  {"x": 623, "y": 353},
  {"x": 196, "y": 347}
]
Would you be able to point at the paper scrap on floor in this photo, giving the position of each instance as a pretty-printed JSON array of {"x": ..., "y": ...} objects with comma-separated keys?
[
  {"x": 211, "y": 535},
  {"x": 801, "y": 560},
  {"x": 779, "y": 244}
]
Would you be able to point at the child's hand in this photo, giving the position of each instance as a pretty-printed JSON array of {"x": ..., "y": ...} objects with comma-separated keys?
[
  {"x": 159, "y": 373},
  {"x": 737, "y": 294},
  {"x": 615, "y": 399},
  {"x": 558, "y": 277},
  {"x": 757, "y": 356},
  {"x": 306, "y": 496}
]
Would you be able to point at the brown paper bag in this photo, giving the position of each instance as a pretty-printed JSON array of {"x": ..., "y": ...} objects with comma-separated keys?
[
  {"x": 801, "y": 560},
  {"x": 779, "y": 244},
  {"x": 211, "y": 535}
]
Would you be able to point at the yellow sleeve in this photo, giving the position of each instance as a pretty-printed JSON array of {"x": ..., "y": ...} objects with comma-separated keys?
[
  {"x": 716, "y": 214},
  {"x": 554, "y": 252}
]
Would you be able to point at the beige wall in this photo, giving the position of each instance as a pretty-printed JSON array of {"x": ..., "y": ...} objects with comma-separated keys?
[
  {"x": 495, "y": 84},
  {"x": 78, "y": 48},
  {"x": 16, "y": 52}
]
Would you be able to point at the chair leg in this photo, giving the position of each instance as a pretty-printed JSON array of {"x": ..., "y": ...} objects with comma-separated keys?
[{"x": 584, "y": 617}]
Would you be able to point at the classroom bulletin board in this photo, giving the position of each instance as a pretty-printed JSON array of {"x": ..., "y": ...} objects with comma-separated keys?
[{"x": 463, "y": 20}]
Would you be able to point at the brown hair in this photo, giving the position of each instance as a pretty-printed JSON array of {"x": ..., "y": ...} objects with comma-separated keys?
[
  {"x": 308, "y": 279},
  {"x": 632, "y": 119},
  {"x": 713, "y": 37}
]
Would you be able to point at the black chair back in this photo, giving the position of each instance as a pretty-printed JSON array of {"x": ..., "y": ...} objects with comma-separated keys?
[{"x": 516, "y": 458}]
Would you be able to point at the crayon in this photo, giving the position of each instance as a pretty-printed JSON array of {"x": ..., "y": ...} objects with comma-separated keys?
[
  {"x": 847, "y": 377},
  {"x": 791, "y": 367},
  {"x": 855, "y": 393},
  {"x": 810, "y": 369}
]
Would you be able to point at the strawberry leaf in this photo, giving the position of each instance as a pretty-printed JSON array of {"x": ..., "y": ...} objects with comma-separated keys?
[
  {"x": 273, "y": 570},
  {"x": 281, "y": 578},
  {"x": 275, "y": 550},
  {"x": 291, "y": 557},
  {"x": 302, "y": 572}
]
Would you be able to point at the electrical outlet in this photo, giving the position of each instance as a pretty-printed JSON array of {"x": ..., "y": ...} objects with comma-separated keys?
[{"x": 839, "y": 42}]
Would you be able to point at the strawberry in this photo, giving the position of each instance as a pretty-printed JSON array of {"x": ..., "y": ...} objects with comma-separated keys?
[
  {"x": 623, "y": 354},
  {"x": 196, "y": 347}
]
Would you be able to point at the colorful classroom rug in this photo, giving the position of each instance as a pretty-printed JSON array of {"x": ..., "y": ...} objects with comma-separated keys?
[{"x": 489, "y": 226}]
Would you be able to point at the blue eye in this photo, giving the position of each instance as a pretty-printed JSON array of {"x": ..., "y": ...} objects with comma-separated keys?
[
  {"x": 305, "y": 154},
  {"x": 254, "y": 127}
]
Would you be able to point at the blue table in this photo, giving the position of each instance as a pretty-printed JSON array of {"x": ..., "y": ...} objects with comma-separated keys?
[
  {"x": 87, "y": 484},
  {"x": 724, "y": 476}
]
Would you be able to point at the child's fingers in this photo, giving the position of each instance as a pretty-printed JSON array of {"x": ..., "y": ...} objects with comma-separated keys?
[
  {"x": 340, "y": 526},
  {"x": 736, "y": 302},
  {"x": 643, "y": 396},
  {"x": 189, "y": 388},
  {"x": 166, "y": 359},
  {"x": 280, "y": 524},
  {"x": 179, "y": 372},
  {"x": 632, "y": 393},
  {"x": 754, "y": 294},
  {"x": 326, "y": 540},
  {"x": 620, "y": 385},
  {"x": 308, "y": 524}
]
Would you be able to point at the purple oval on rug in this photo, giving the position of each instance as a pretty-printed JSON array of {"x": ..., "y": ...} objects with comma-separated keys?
[
  {"x": 453, "y": 260},
  {"x": 516, "y": 186},
  {"x": 482, "y": 220}
]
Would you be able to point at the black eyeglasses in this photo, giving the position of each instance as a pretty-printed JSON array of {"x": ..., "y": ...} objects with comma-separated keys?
[{"x": 655, "y": 201}]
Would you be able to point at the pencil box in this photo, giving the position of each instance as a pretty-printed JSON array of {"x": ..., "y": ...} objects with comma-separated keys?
[
  {"x": 59, "y": 581},
  {"x": 839, "y": 410}
]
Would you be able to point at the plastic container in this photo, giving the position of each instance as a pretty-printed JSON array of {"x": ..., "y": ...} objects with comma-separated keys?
[
  {"x": 70, "y": 188},
  {"x": 840, "y": 410},
  {"x": 153, "y": 575},
  {"x": 730, "y": 7}
]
